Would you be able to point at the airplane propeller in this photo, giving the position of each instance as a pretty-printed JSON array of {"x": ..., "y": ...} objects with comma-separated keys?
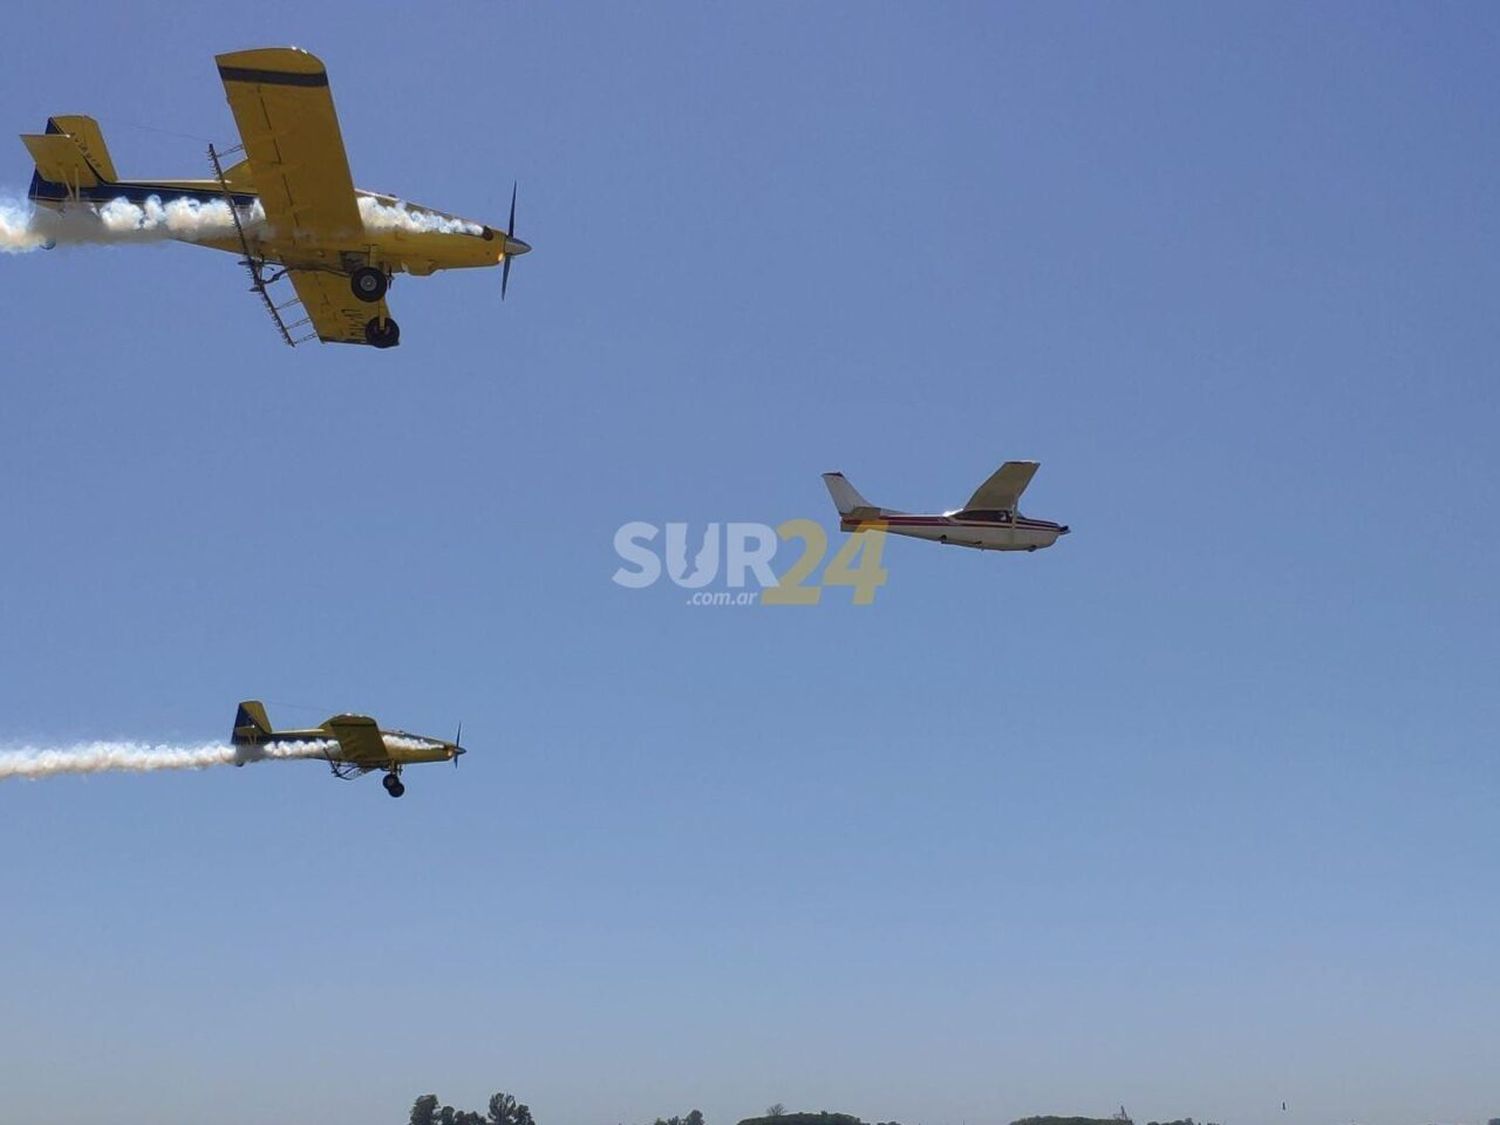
[
  {"x": 458, "y": 747},
  {"x": 513, "y": 245}
]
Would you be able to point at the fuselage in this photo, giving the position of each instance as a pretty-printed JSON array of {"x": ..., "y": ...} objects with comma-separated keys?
[
  {"x": 396, "y": 236},
  {"x": 984, "y": 530},
  {"x": 400, "y": 748}
]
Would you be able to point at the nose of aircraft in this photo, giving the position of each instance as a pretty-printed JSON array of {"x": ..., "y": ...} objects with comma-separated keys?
[{"x": 514, "y": 247}]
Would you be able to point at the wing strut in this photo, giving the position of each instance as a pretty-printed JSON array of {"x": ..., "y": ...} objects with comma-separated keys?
[{"x": 259, "y": 282}]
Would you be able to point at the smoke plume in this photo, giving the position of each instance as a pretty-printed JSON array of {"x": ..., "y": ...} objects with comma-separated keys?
[
  {"x": 25, "y": 227},
  {"x": 142, "y": 757},
  {"x": 398, "y": 216}
]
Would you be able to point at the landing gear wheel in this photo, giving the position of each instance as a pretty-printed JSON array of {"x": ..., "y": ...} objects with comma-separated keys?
[
  {"x": 368, "y": 283},
  {"x": 396, "y": 790},
  {"x": 378, "y": 335},
  {"x": 393, "y": 785}
]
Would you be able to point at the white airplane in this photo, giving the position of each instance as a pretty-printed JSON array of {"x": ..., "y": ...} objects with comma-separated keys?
[{"x": 988, "y": 521}]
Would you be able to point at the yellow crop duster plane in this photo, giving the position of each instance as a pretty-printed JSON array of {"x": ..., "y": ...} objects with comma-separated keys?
[
  {"x": 338, "y": 245},
  {"x": 351, "y": 744}
]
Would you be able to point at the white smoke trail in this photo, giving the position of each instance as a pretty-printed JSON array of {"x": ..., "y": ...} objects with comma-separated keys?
[
  {"x": 378, "y": 216},
  {"x": 408, "y": 742},
  {"x": 142, "y": 757},
  {"x": 180, "y": 218},
  {"x": 17, "y": 233},
  {"x": 25, "y": 227}
]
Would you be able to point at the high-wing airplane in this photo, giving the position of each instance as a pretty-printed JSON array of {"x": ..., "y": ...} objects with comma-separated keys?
[
  {"x": 989, "y": 521},
  {"x": 295, "y": 211},
  {"x": 351, "y": 744}
]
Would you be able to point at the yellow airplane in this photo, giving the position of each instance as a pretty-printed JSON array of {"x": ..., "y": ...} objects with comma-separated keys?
[
  {"x": 292, "y": 208},
  {"x": 351, "y": 744}
]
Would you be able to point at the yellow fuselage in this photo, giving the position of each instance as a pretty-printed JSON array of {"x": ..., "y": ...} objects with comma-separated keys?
[{"x": 397, "y": 237}]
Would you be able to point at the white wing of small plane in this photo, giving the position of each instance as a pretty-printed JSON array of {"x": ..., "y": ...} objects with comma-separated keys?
[{"x": 1004, "y": 488}]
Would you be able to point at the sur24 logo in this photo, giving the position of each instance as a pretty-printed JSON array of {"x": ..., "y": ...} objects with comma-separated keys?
[{"x": 746, "y": 551}]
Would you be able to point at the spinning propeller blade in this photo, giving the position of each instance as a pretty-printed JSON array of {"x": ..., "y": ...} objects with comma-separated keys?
[{"x": 513, "y": 245}]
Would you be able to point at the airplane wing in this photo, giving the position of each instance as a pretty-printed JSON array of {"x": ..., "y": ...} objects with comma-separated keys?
[
  {"x": 337, "y": 315},
  {"x": 359, "y": 739},
  {"x": 1004, "y": 488},
  {"x": 281, "y": 104}
]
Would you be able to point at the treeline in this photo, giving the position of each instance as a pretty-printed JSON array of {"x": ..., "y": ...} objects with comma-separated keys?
[
  {"x": 503, "y": 1110},
  {"x": 776, "y": 1115}
]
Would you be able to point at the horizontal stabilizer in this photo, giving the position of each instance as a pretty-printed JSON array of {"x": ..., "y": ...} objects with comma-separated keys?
[
  {"x": 60, "y": 161},
  {"x": 86, "y": 134}
]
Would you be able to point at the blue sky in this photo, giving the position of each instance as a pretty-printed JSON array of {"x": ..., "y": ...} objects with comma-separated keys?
[{"x": 1194, "y": 812}]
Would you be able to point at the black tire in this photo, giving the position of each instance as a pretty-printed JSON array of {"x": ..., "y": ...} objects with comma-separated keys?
[
  {"x": 378, "y": 335},
  {"x": 396, "y": 790},
  {"x": 368, "y": 284}
]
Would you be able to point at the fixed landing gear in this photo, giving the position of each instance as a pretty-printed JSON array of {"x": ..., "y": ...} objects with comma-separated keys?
[
  {"x": 393, "y": 786},
  {"x": 379, "y": 335},
  {"x": 369, "y": 284}
]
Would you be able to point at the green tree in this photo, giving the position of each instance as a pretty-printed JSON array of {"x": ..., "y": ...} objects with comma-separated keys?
[
  {"x": 505, "y": 1110},
  {"x": 775, "y": 1109},
  {"x": 424, "y": 1110}
]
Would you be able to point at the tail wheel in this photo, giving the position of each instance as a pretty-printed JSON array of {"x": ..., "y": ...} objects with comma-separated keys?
[
  {"x": 368, "y": 283},
  {"x": 379, "y": 335}
]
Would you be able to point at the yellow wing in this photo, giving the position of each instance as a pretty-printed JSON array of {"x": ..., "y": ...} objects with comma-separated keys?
[
  {"x": 337, "y": 315},
  {"x": 359, "y": 739},
  {"x": 281, "y": 104}
]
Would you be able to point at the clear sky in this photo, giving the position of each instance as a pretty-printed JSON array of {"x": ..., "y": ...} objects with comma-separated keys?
[{"x": 1194, "y": 812}]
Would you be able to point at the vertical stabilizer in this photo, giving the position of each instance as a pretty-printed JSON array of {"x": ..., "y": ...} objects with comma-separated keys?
[
  {"x": 250, "y": 723},
  {"x": 847, "y": 498}
]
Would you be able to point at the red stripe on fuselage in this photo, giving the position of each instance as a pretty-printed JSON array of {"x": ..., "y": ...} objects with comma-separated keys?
[{"x": 1023, "y": 523}]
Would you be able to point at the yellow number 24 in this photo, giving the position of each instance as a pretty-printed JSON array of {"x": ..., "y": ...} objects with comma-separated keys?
[{"x": 866, "y": 577}]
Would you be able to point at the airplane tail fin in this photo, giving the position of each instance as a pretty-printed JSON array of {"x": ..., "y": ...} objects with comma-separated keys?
[
  {"x": 70, "y": 156},
  {"x": 847, "y": 498},
  {"x": 250, "y": 723}
]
